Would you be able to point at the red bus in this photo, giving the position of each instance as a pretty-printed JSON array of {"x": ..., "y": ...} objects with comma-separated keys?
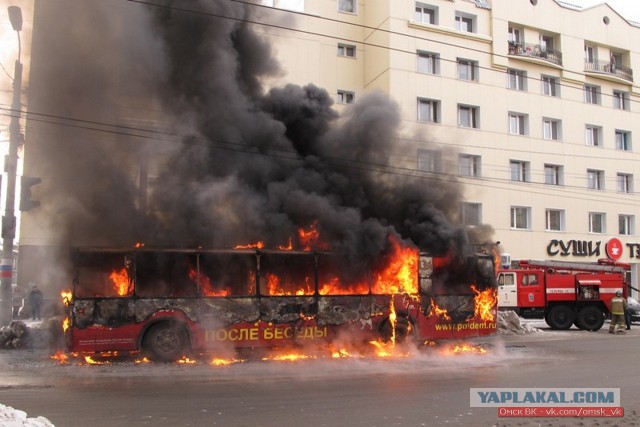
[{"x": 167, "y": 303}]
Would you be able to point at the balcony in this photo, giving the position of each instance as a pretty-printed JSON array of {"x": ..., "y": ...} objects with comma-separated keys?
[
  {"x": 536, "y": 51},
  {"x": 608, "y": 68}
]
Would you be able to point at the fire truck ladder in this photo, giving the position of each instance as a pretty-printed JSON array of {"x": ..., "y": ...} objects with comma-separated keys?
[{"x": 576, "y": 266}]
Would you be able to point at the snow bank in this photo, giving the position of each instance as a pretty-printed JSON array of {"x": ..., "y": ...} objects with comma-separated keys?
[
  {"x": 509, "y": 324},
  {"x": 10, "y": 417}
]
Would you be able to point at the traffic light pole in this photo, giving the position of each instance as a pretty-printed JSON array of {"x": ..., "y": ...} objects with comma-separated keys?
[{"x": 9, "y": 218}]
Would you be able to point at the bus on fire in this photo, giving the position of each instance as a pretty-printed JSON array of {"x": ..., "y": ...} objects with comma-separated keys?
[{"x": 167, "y": 303}]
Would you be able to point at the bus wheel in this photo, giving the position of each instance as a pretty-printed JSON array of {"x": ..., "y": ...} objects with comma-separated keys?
[
  {"x": 561, "y": 317},
  {"x": 165, "y": 342},
  {"x": 590, "y": 318},
  {"x": 404, "y": 329}
]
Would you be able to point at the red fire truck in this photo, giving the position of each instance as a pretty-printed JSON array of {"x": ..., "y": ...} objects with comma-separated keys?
[
  {"x": 170, "y": 302},
  {"x": 563, "y": 293}
]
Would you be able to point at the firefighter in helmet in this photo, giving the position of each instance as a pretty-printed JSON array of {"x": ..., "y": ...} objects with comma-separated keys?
[{"x": 618, "y": 307}]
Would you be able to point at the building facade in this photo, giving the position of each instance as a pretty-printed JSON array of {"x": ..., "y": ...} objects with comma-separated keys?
[{"x": 532, "y": 105}]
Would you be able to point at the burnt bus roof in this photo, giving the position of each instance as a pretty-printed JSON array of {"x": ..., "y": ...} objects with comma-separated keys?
[{"x": 247, "y": 251}]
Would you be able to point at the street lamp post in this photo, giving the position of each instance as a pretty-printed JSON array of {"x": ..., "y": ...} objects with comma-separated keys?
[{"x": 10, "y": 167}]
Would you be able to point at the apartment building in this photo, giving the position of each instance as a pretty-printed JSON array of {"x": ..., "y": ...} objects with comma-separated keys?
[{"x": 531, "y": 104}]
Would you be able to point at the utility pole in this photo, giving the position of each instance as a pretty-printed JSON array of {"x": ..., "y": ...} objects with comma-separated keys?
[{"x": 10, "y": 167}]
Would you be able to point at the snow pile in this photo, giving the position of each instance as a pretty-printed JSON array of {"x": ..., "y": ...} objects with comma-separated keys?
[
  {"x": 10, "y": 417},
  {"x": 509, "y": 324}
]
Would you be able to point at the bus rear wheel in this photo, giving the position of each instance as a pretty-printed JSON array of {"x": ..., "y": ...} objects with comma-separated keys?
[{"x": 165, "y": 342}]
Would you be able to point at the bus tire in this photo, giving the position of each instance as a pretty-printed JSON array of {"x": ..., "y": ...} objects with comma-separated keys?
[
  {"x": 590, "y": 318},
  {"x": 165, "y": 342},
  {"x": 561, "y": 317},
  {"x": 404, "y": 329}
]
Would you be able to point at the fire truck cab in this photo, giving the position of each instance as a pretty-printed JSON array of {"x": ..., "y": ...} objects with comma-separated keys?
[{"x": 563, "y": 293}]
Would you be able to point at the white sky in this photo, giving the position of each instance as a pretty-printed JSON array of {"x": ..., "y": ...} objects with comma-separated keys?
[{"x": 629, "y": 9}]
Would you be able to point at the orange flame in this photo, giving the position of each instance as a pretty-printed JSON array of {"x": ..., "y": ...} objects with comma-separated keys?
[
  {"x": 206, "y": 286},
  {"x": 485, "y": 302},
  {"x": 66, "y": 297},
  {"x": 257, "y": 245},
  {"x": 143, "y": 360},
  {"x": 289, "y": 247},
  {"x": 310, "y": 238},
  {"x": 275, "y": 286},
  {"x": 65, "y": 324},
  {"x": 60, "y": 357},
  {"x": 334, "y": 287},
  {"x": 435, "y": 310},
  {"x": 463, "y": 349},
  {"x": 121, "y": 282},
  {"x": 139, "y": 245},
  {"x": 216, "y": 361},
  {"x": 186, "y": 360},
  {"x": 400, "y": 274}
]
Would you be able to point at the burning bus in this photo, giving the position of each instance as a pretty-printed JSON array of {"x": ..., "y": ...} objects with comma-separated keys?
[{"x": 169, "y": 302}]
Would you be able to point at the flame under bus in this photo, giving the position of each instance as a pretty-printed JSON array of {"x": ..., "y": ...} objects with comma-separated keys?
[{"x": 169, "y": 302}]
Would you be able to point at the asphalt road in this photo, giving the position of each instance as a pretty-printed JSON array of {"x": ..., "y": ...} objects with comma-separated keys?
[{"x": 426, "y": 389}]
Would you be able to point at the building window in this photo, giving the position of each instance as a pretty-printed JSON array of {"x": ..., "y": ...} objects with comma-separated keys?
[
  {"x": 468, "y": 116},
  {"x": 554, "y": 220},
  {"x": 519, "y": 171},
  {"x": 518, "y": 124},
  {"x": 520, "y": 217},
  {"x": 471, "y": 213},
  {"x": 621, "y": 100},
  {"x": 517, "y": 79},
  {"x": 595, "y": 179},
  {"x": 626, "y": 225},
  {"x": 515, "y": 34},
  {"x": 553, "y": 174},
  {"x": 623, "y": 140},
  {"x": 346, "y": 50},
  {"x": 426, "y": 13},
  {"x": 546, "y": 43},
  {"x": 428, "y": 63},
  {"x": 347, "y": 6},
  {"x": 592, "y": 94},
  {"x": 429, "y": 161},
  {"x": 470, "y": 165},
  {"x": 593, "y": 136},
  {"x": 550, "y": 86},
  {"x": 345, "y": 97},
  {"x": 551, "y": 129},
  {"x": 465, "y": 22},
  {"x": 624, "y": 183},
  {"x": 597, "y": 222},
  {"x": 467, "y": 70},
  {"x": 429, "y": 110},
  {"x": 590, "y": 53}
]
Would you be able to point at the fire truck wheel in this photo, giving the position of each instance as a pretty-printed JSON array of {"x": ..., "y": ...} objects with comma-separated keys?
[
  {"x": 561, "y": 317},
  {"x": 165, "y": 342},
  {"x": 590, "y": 318}
]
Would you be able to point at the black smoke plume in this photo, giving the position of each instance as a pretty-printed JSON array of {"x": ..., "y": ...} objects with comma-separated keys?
[{"x": 246, "y": 165}]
